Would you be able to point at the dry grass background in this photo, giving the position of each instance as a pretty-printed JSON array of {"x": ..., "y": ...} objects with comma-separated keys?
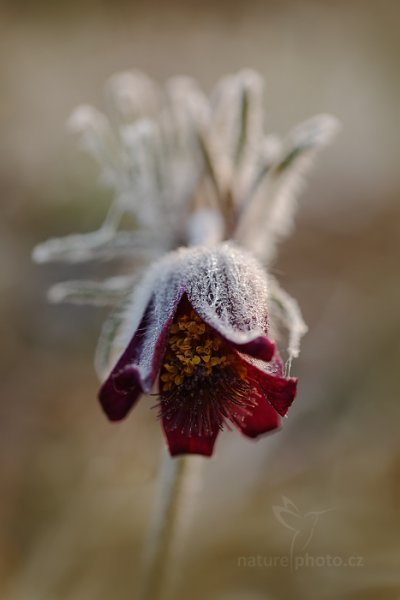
[{"x": 75, "y": 490}]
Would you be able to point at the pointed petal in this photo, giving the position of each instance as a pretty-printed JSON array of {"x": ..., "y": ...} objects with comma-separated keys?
[
  {"x": 157, "y": 298},
  {"x": 126, "y": 381},
  {"x": 180, "y": 443},
  {"x": 118, "y": 401},
  {"x": 279, "y": 390},
  {"x": 263, "y": 418},
  {"x": 137, "y": 368},
  {"x": 122, "y": 388}
]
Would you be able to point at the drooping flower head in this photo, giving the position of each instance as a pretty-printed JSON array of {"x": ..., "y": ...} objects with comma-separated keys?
[
  {"x": 211, "y": 195},
  {"x": 202, "y": 332}
]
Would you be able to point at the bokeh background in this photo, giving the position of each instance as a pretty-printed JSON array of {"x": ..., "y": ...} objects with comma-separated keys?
[{"x": 76, "y": 491}]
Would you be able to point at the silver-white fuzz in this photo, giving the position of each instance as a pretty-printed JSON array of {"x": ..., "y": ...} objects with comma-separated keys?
[{"x": 193, "y": 171}]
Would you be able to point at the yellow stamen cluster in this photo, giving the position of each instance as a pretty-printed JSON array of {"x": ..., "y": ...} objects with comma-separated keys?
[{"x": 191, "y": 345}]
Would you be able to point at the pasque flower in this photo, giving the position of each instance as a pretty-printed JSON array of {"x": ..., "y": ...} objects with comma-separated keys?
[
  {"x": 198, "y": 323},
  {"x": 202, "y": 332}
]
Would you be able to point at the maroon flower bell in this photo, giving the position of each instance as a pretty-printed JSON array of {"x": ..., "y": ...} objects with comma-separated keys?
[{"x": 202, "y": 334}]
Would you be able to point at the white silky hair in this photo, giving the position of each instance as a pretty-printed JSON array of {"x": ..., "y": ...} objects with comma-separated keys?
[
  {"x": 226, "y": 286},
  {"x": 194, "y": 171}
]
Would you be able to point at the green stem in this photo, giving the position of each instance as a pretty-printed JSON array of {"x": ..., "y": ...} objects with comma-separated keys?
[{"x": 166, "y": 529}]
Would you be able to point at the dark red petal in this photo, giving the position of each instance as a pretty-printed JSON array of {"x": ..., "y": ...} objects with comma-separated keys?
[
  {"x": 122, "y": 387},
  {"x": 261, "y": 348},
  {"x": 180, "y": 443},
  {"x": 124, "y": 384},
  {"x": 117, "y": 396},
  {"x": 263, "y": 418},
  {"x": 279, "y": 390}
]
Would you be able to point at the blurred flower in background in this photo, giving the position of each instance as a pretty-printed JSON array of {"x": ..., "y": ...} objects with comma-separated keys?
[{"x": 65, "y": 470}]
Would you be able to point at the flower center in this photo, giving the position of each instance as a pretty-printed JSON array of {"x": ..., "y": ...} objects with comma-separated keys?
[
  {"x": 203, "y": 382},
  {"x": 192, "y": 346}
]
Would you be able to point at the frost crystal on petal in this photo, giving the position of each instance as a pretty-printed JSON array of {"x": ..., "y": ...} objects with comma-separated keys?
[
  {"x": 229, "y": 290},
  {"x": 224, "y": 284}
]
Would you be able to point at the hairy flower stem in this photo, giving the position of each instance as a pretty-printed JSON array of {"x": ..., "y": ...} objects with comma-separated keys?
[{"x": 177, "y": 481}]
